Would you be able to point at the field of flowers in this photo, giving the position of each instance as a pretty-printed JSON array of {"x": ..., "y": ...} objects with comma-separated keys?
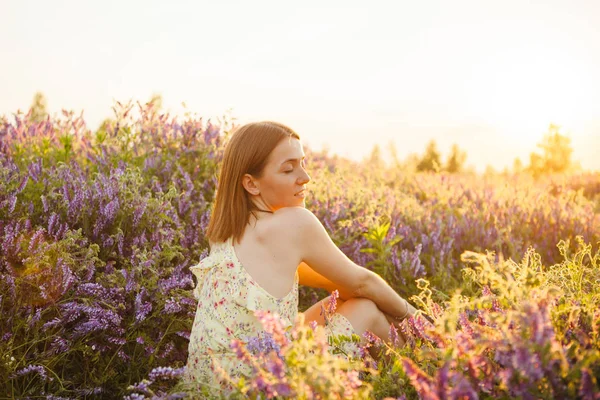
[{"x": 98, "y": 231}]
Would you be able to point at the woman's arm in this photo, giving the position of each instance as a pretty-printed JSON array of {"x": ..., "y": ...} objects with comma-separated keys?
[
  {"x": 309, "y": 277},
  {"x": 315, "y": 248},
  {"x": 386, "y": 298}
]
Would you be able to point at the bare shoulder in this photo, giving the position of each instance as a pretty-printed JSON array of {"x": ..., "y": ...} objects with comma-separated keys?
[
  {"x": 298, "y": 221},
  {"x": 295, "y": 225},
  {"x": 312, "y": 245},
  {"x": 296, "y": 215}
]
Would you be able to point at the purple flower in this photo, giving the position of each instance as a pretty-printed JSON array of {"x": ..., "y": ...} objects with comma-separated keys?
[
  {"x": 394, "y": 337},
  {"x": 37, "y": 369},
  {"x": 139, "y": 212},
  {"x": 588, "y": 389},
  {"x": 142, "y": 308},
  {"x": 240, "y": 350},
  {"x": 273, "y": 325},
  {"x": 262, "y": 344},
  {"x": 332, "y": 304},
  {"x": 166, "y": 373},
  {"x": 372, "y": 338},
  {"x": 419, "y": 379},
  {"x": 275, "y": 366},
  {"x": 110, "y": 210}
]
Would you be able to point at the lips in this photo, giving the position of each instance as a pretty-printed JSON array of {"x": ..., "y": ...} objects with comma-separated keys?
[{"x": 300, "y": 193}]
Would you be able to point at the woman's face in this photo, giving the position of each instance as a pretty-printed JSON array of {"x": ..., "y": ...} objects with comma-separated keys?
[{"x": 283, "y": 180}]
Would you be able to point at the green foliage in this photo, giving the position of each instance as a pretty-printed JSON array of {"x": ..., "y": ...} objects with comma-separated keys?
[
  {"x": 456, "y": 160},
  {"x": 556, "y": 153},
  {"x": 431, "y": 160},
  {"x": 381, "y": 247},
  {"x": 530, "y": 330},
  {"x": 375, "y": 159},
  {"x": 38, "y": 110},
  {"x": 59, "y": 189}
]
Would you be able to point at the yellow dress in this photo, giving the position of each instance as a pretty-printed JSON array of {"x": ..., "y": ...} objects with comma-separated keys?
[{"x": 227, "y": 298}]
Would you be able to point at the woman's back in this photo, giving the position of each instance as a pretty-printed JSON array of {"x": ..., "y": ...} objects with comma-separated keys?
[
  {"x": 267, "y": 252},
  {"x": 228, "y": 295}
]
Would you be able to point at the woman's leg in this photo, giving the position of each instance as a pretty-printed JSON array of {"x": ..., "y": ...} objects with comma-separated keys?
[
  {"x": 363, "y": 314},
  {"x": 313, "y": 313}
]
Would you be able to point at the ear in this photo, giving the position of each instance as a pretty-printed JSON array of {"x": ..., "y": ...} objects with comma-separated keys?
[{"x": 250, "y": 185}]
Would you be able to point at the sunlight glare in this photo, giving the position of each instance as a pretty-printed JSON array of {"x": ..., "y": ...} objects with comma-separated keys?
[{"x": 522, "y": 93}]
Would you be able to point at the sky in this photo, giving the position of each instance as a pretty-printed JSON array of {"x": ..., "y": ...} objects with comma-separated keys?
[{"x": 489, "y": 76}]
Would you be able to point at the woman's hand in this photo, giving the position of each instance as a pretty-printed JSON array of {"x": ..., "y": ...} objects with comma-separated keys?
[{"x": 395, "y": 320}]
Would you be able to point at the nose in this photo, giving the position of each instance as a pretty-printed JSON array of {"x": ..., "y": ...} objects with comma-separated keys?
[{"x": 304, "y": 178}]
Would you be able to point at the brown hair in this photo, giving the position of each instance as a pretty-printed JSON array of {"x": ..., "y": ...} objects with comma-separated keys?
[{"x": 246, "y": 153}]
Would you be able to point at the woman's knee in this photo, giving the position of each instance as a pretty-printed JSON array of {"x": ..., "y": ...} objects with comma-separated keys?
[
  {"x": 362, "y": 303},
  {"x": 361, "y": 308}
]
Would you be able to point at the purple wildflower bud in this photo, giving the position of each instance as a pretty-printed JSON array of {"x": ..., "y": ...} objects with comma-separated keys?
[
  {"x": 273, "y": 325},
  {"x": 394, "y": 337},
  {"x": 275, "y": 366},
  {"x": 44, "y": 203},
  {"x": 60, "y": 345},
  {"x": 332, "y": 304},
  {"x": 139, "y": 212},
  {"x": 372, "y": 338},
  {"x": 50, "y": 324},
  {"x": 51, "y": 222},
  {"x": 12, "y": 202},
  {"x": 142, "y": 308},
  {"x": 36, "y": 238},
  {"x": 240, "y": 351},
  {"x": 110, "y": 210},
  {"x": 38, "y": 369},
  {"x": 35, "y": 317},
  {"x": 419, "y": 379},
  {"x": 35, "y": 170},
  {"x": 166, "y": 373},
  {"x": 117, "y": 340}
]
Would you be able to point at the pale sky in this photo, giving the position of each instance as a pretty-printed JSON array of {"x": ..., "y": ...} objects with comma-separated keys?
[{"x": 487, "y": 75}]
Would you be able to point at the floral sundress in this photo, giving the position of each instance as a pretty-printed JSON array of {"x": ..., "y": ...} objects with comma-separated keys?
[{"x": 227, "y": 298}]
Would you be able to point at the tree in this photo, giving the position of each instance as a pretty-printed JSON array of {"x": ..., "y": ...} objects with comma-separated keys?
[
  {"x": 375, "y": 159},
  {"x": 456, "y": 161},
  {"x": 556, "y": 153},
  {"x": 38, "y": 110},
  {"x": 431, "y": 160},
  {"x": 517, "y": 166},
  {"x": 394, "y": 154}
]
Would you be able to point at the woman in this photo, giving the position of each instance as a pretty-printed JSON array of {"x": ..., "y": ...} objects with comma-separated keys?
[{"x": 263, "y": 244}]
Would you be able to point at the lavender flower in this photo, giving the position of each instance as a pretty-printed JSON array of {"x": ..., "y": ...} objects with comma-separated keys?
[
  {"x": 272, "y": 324},
  {"x": 166, "y": 373},
  {"x": 37, "y": 369}
]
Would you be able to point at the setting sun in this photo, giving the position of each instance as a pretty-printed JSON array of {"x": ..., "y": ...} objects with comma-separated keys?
[
  {"x": 521, "y": 91},
  {"x": 489, "y": 76}
]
